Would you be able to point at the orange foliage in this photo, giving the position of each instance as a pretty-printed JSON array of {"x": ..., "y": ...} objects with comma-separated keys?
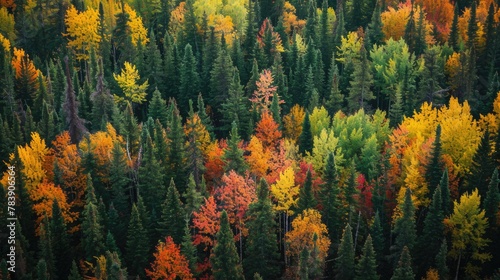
[
  {"x": 276, "y": 40},
  {"x": 206, "y": 223},
  {"x": 169, "y": 263},
  {"x": 262, "y": 96},
  {"x": 9, "y": 4},
  {"x": 481, "y": 15},
  {"x": 267, "y": 131},
  {"x": 440, "y": 13},
  {"x": 279, "y": 162},
  {"x": 290, "y": 20},
  {"x": 23, "y": 65},
  {"x": 301, "y": 173},
  {"x": 214, "y": 164},
  {"x": 258, "y": 159}
]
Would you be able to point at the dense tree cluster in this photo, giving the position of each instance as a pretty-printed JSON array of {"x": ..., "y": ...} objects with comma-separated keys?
[{"x": 253, "y": 139}]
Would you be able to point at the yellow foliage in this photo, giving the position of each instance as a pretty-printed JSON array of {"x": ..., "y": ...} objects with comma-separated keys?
[
  {"x": 285, "y": 192},
  {"x": 7, "y": 24},
  {"x": 304, "y": 227},
  {"x": 394, "y": 22},
  {"x": 293, "y": 122},
  {"x": 290, "y": 20},
  {"x": 349, "y": 48},
  {"x": 32, "y": 157},
  {"x": 195, "y": 128},
  {"x": 127, "y": 80},
  {"x": 139, "y": 32},
  {"x": 176, "y": 24},
  {"x": 22, "y": 63},
  {"x": 432, "y": 274},
  {"x": 5, "y": 43},
  {"x": 83, "y": 30},
  {"x": 258, "y": 159}
]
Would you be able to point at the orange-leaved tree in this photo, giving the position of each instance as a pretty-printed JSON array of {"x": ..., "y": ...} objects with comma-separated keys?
[{"x": 169, "y": 262}]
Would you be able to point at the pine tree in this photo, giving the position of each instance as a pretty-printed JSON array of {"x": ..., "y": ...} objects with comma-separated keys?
[
  {"x": 150, "y": 177},
  {"x": 374, "y": 30},
  {"x": 111, "y": 243},
  {"x": 42, "y": 272},
  {"x": 306, "y": 195},
  {"x": 137, "y": 246},
  {"x": 433, "y": 170},
  {"x": 46, "y": 246},
  {"x": 130, "y": 131},
  {"x": 102, "y": 104},
  {"x": 472, "y": 28},
  {"x": 74, "y": 274},
  {"x": 119, "y": 180},
  {"x": 366, "y": 269},
  {"x": 29, "y": 125},
  {"x": 157, "y": 108},
  {"x": 331, "y": 214},
  {"x": 172, "y": 217},
  {"x": 224, "y": 259},
  {"x": 188, "y": 249},
  {"x": 492, "y": 200},
  {"x": 441, "y": 266},
  {"x": 454, "y": 36},
  {"x": 251, "y": 86},
  {"x": 154, "y": 65},
  {"x": 433, "y": 226},
  {"x": 189, "y": 79},
  {"x": 93, "y": 239},
  {"x": 220, "y": 81},
  {"x": 344, "y": 263},
  {"x": 60, "y": 241},
  {"x": 361, "y": 81},
  {"x": 404, "y": 228},
  {"x": 335, "y": 98},
  {"x": 305, "y": 140},
  {"x": 192, "y": 197},
  {"x": 233, "y": 157},
  {"x": 205, "y": 119},
  {"x": 482, "y": 167},
  {"x": 262, "y": 250},
  {"x": 235, "y": 107},
  {"x": 175, "y": 159},
  {"x": 377, "y": 232},
  {"x": 404, "y": 271},
  {"x": 303, "y": 264}
]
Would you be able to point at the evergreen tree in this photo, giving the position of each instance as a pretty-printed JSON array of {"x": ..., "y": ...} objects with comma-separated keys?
[
  {"x": 175, "y": 159},
  {"x": 205, "y": 119},
  {"x": 46, "y": 249},
  {"x": 233, "y": 157},
  {"x": 335, "y": 99},
  {"x": 492, "y": 200},
  {"x": 377, "y": 232},
  {"x": 344, "y": 265},
  {"x": 130, "y": 131},
  {"x": 154, "y": 65},
  {"x": 374, "y": 29},
  {"x": 42, "y": 272},
  {"x": 46, "y": 125},
  {"x": 172, "y": 217},
  {"x": 137, "y": 246},
  {"x": 434, "y": 169},
  {"x": 454, "y": 36},
  {"x": 235, "y": 107},
  {"x": 361, "y": 81},
  {"x": 224, "y": 259},
  {"x": 331, "y": 214},
  {"x": 303, "y": 264},
  {"x": 158, "y": 108},
  {"x": 410, "y": 34},
  {"x": 431, "y": 76},
  {"x": 472, "y": 28},
  {"x": 150, "y": 177},
  {"x": 221, "y": 76},
  {"x": 192, "y": 197},
  {"x": 102, "y": 104},
  {"x": 306, "y": 195},
  {"x": 262, "y": 250},
  {"x": 60, "y": 241},
  {"x": 189, "y": 250},
  {"x": 210, "y": 52},
  {"x": 305, "y": 140},
  {"x": 74, "y": 123},
  {"x": 251, "y": 86},
  {"x": 74, "y": 274},
  {"x": 189, "y": 79},
  {"x": 441, "y": 266},
  {"x": 193, "y": 148},
  {"x": 445, "y": 194},
  {"x": 92, "y": 240},
  {"x": 404, "y": 228},
  {"x": 29, "y": 125},
  {"x": 366, "y": 269},
  {"x": 404, "y": 271},
  {"x": 119, "y": 180},
  {"x": 111, "y": 243},
  {"x": 275, "y": 109},
  {"x": 482, "y": 167}
]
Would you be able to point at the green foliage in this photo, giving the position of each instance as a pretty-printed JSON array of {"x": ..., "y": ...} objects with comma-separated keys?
[
  {"x": 305, "y": 140},
  {"x": 172, "y": 217},
  {"x": 492, "y": 200},
  {"x": 233, "y": 157},
  {"x": 404, "y": 271},
  {"x": 344, "y": 263},
  {"x": 441, "y": 265},
  {"x": 137, "y": 246},
  {"x": 331, "y": 214},
  {"x": 367, "y": 266},
  {"x": 306, "y": 195},
  {"x": 404, "y": 228},
  {"x": 93, "y": 235}
]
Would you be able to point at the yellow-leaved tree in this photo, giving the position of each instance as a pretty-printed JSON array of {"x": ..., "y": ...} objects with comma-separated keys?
[
  {"x": 137, "y": 29},
  {"x": 324, "y": 144},
  {"x": 128, "y": 82},
  {"x": 82, "y": 28},
  {"x": 285, "y": 192}
]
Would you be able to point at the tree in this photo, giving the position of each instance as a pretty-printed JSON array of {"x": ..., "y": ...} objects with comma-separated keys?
[
  {"x": 492, "y": 200},
  {"x": 206, "y": 222},
  {"x": 331, "y": 204},
  {"x": 367, "y": 265},
  {"x": 60, "y": 241},
  {"x": 74, "y": 274},
  {"x": 224, "y": 259},
  {"x": 441, "y": 266},
  {"x": 285, "y": 191},
  {"x": 404, "y": 227},
  {"x": 344, "y": 265},
  {"x": 262, "y": 96},
  {"x": 267, "y": 131},
  {"x": 150, "y": 177},
  {"x": 482, "y": 166},
  {"x": 433, "y": 172},
  {"x": 169, "y": 262},
  {"x": 305, "y": 140},
  {"x": 75, "y": 124},
  {"x": 189, "y": 80},
  {"x": 468, "y": 225},
  {"x": 404, "y": 271},
  {"x": 377, "y": 232},
  {"x": 93, "y": 235},
  {"x": 176, "y": 142},
  {"x": 172, "y": 217},
  {"x": 361, "y": 81},
  {"x": 233, "y": 157},
  {"x": 128, "y": 82},
  {"x": 235, "y": 107},
  {"x": 306, "y": 195},
  {"x": 137, "y": 244},
  {"x": 83, "y": 30},
  {"x": 157, "y": 108},
  {"x": 262, "y": 247},
  {"x": 119, "y": 180}
]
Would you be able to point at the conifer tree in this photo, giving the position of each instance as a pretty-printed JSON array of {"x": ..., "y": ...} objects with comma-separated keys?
[
  {"x": 150, "y": 177},
  {"x": 119, "y": 180},
  {"x": 482, "y": 167},
  {"x": 205, "y": 118},
  {"x": 233, "y": 157},
  {"x": 377, "y": 232},
  {"x": 251, "y": 86},
  {"x": 102, "y": 104},
  {"x": 404, "y": 228},
  {"x": 192, "y": 197},
  {"x": 441, "y": 266},
  {"x": 175, "y": 159},
  {"x": 29, "y": 125},
  {"x": 306, "y": 195},
  {"x": 361, "y": 81},
  {"x": 304, "y": 264},
  {"x": 235, "y": 107},
  {"x": 75, "y": 124},
  {"x": 433, "y": 170},
  {"x": 46, "y": 125},
  {"x": 404, "y": 271},
  {"x": 374, "y": 29},
  {"x": 46, "y": 249},
  {"x": 153, "y": 64},
  {"x": 305, "y": 140},
  {"x": 210, "y": 52},
  {"x": 188, "y": 249},
  {"x": 221, "y": 76},
  {"x": 93, "y": 237},
  {"x": 344, "y": 265},
  {"x": 111, "y": 243},
  {"x": 172, "y": 217},
  {"x": 158, "y": 108},
  {"x": 262, "y": 250},
  {"x": 224, "y": 259},
  {"x": 366, "y": 269},
  {"x": 60, "y": 241},
  {"x": 331, "y": 203},
  {"x": 453, "y": 37},
  {"x": 335, "y": 98},
  {"x": 42, "y": 271},
  {"x": 472, "y": 28},
  {"x": 492, "y": 200},
  {"x": 189, "y": 79},
  {"x": 137, "y": 246},
  {"x": 130, "y": 131},
  {"x": 74, "y": 274}
]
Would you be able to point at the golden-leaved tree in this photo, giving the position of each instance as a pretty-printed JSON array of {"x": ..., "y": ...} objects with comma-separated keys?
[
  {"x": 82, "y": 28},
  {"x": 128, "y": 82}
]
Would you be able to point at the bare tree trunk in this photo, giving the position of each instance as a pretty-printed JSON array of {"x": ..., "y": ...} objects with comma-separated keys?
[
  {"x": 357, "y": 230},
  {"x": 458, "y": 265}
]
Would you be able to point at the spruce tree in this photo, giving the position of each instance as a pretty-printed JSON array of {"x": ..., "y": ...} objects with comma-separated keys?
[
  {"x": 454, "y": 36},
  {"x": 472, "y": 28},
  {"x": 492, "y": 200},
  {"x": 375, "y": 34},
  {"x": 303, "y": 272},
  {"x": 130, "y": 131},
  {"x": 233, "y": 157},
  {"x": 75, "y": 124},
  {"x": 404, "y": 228},
  {"x": 192, "y": 197},
  {"x": 205, "y": 118},
  {"x": 262, "y": 246},
  {"x": 60, "y": 241},
  {"x": 189, "y": 250},
  {"x": 335, "y": 98},
  {"x": 482, "y": 167},
  {"x": 377, "y": 232},
  {"x": 441, "y": 266},
  {"x": 344, "y": 263},
  {"x": 306, "y": 195},
  {"x": 224, "y": 259},
  {"x": 42, "y": 271},
  {"x": 189, "y": 79},
  {"x": 366, "y": 269},
  {"x": 433, "y": 170},
  {"x": 46, "y": 249},
  {"x": 172, "y": 216},
  {"x": 150, "y": 177},
  {"x": 305, "y": 140},
  {"x": 445, "y": 194},
  {"x": 93, "y": 239},
  {"x": 361, "y": 81},
  {"x": 175, "y": 159},
  {"x": 74, "y": 274},
  {"x": 158, "y": 108},
  {"x": 154, "y": 65},
  {"x": 137, "y": 246},
  {"x": 111, "y": 243},
  {"x": 119, "y": 180},
  {"x": 330, "y": 212},
  {"x": 404, "y": 271},
  {"x": 236, "y": 106},
  {"x": 46, "y": 125},
  {"x": 221, "y": 76}
]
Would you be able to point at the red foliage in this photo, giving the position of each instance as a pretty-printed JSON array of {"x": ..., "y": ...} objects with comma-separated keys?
[
  {"x": 267, "y": 131},
  {"x": 300, "y": 176},
  {"x": 206, "y": 222},
  {"x": 364, "y": 197},
  {"x": 169, "y": 263}
]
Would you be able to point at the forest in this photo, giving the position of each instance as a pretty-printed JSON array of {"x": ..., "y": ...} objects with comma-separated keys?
[{"x": 249, "y": 139}]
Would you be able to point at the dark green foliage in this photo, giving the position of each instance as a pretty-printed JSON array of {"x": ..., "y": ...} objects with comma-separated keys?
[
  {"x": 42, "y": 272},
  {"x": 75, "y": 124},
  {"x": 224, "y": 259},
  {"x": 404, "y": 271},
  {"x": 492, "y": 200},
  {"x": 172, "y": 216},
  {"x": 431, "y": 77},
  {"x": 303, "y": 264},
  {"x": 189, "y": 79},
  {"x": 175, "y": 135},
  {"x": 366, "y": 269},
  {"x": 361, "y": 81},
  {"x": 29, "y": 125},
  {"x": 482, "y": 167},
  {"x": 158, "y": 108},
  {"x": 344, "y": 263},
  {"x": 377, "y": 232},
  {"x": 472, "y": 28},
  {"x": 434, "y": 169},
  {"x": 150, "y": 177},
  {"x": 262, "y": 246},
  {"x": 445, "y": 194},
  {"x": 60, "y": 241},
  {"x": 205, "y": 119},
  {"x": 374, "y": 30},
  {"x": 74, "y": 274},
  {"x": 221, "y": 76},
  {"x": 233, "y": 157},
  {"x": 335, "y": 99},
  {"x": 235, "y": 107},
  {"x": 46, "y": 249},
  {"x": 305, "y": 141},
  {"x": 306, "y": 195},
  {"x": 188, "y": 249},
  {"x": 331, "y": 213},
  {"x": 441, "y": 266},
  {"x": 130, "y": 130},
  {"x": 119, "y": 180},
  {"x": 454, "y": 36},
  {"x": 111, "y": 243},
  {"x": 404, "y": 228},
  {"x": 137, "y": 246},
  {"x": 93, "y": 235},
  {"x": 192, "y": 197}
]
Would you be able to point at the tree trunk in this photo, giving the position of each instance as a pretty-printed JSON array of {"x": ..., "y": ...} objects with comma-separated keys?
[{"x": 458, "y": 265}]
